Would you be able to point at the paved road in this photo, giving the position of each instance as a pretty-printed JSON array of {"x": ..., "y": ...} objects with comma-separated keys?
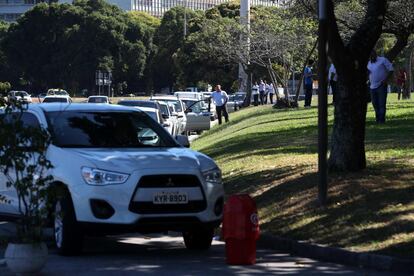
[{"x": 160, "y": 255}]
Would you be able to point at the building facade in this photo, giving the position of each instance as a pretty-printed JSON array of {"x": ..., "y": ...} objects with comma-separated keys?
[{"x": 10, "y": 10}]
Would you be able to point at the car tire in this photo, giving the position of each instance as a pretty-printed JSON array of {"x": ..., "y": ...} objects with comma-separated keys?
[
  {"x": 199, "y": 239},
  {"x": 68, "y": 235}
]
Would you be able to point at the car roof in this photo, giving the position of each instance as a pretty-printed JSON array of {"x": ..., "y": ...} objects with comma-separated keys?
[
  {"x": 135, "y": 101},
  {"x": 148, "y": 109},
  {"x": 97, "y": 96},
  {"x": 58, "y": 96},
  {"x": 51, "y": 107},
  {"x": 166, "y": 97}
]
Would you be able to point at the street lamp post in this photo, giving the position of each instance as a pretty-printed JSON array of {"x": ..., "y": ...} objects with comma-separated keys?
[
  {"x": 185, "y": 18},
  {"x": 322, "y": 106}
]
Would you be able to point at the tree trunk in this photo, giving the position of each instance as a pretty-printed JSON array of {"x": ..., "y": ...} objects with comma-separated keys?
[{"x": 348, "y": 135}]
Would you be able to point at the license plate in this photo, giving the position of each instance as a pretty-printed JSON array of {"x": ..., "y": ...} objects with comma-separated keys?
[{"x": 170, "y": 198}]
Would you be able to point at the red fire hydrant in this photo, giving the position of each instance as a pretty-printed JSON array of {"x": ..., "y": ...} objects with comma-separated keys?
[{"x": 240, "y": 230}]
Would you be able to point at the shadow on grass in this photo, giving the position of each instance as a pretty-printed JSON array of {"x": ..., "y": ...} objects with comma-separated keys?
[
  {"x": 294, "y": 140},
  {"x": 358, "y": 214}
]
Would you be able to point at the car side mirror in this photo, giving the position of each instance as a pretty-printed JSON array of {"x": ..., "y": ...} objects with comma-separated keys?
[
  {"x": 183, "y": 140},
  {"x": 165, "y": 116},
  {"x": 188, "y": 110}
]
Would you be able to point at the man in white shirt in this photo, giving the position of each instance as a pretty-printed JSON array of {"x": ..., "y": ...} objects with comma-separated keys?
[
  {"x": 333, "y": 78},
  {"x": 271, "y": 92},
  {"x": 262, "y": 88},
  {"x": 220, "y": 99},
  {"x": 255, "y": 93},
  {"x": 380, "y": 70}
]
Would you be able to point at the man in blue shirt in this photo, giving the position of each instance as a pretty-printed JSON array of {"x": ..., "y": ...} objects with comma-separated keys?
[{"x": 308, "y": 82}]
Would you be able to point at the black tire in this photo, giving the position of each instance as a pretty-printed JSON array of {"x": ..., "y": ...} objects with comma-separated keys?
[
  {"x": 199, "y": 239},
  {"x": 68, "y": 235}
]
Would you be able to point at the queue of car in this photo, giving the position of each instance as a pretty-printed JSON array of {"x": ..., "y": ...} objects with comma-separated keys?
[
  {"x": 126, "y": 167},
  {"x": 119, "y": 171}
]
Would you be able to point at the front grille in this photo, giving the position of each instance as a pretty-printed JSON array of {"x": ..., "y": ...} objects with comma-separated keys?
[
  {"x": 167, "y": 181},
  {"x": 174, "y": 180}
]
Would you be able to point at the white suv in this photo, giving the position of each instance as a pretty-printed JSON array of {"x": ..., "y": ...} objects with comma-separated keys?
[{"x": 122, "y": 172}]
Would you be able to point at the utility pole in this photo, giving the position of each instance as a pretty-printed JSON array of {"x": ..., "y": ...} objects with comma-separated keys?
[
  {"x": 322, "y": 106},
  {"x": 185, "y": 18},
  {"x": 244, "y": 79}
]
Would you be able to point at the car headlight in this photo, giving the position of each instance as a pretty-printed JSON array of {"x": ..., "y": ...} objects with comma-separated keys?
[
  {"x": 213, "y": 176},
  {"x": 101, "y": 177}
]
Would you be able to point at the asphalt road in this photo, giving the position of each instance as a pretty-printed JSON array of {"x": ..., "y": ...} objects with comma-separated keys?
[{"x": 167, "y": 255}]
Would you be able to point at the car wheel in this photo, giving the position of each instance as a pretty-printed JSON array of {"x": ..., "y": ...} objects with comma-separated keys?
[
  {"x": 68, "y": 236},
  {"x": 199, "y": 239}
]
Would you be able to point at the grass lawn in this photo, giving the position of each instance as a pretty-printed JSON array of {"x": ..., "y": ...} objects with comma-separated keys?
[{"x": 272, "y": 155}]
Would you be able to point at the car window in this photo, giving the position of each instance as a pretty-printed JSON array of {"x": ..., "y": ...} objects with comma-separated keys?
[
  {"x": 55, "y": 100},
  {"x": 28, "y": 119},
  {"x": 164, "y": 109},
  {"x": 97, "y": 100},
  {"x": 194, "y": 106},
  {"x": 107, "y": 129},
  {"x": 138, "y": 103}
]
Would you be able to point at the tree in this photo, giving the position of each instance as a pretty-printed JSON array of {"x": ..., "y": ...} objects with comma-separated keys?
[
  {"x": 169, "y": 37},
  {"x": 61, "y": 45}
]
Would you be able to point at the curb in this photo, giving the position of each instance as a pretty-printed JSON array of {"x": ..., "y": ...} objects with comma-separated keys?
[{"x": 337, "y": 255}]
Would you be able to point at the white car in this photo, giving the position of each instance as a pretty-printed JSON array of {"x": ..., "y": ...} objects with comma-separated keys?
[
  {"x": 198, "y": 118},
  {"x": 98, "y": 99},
  {"x": 157, "y": 116},
  {"x": 179, "y": 110},
  {"x": 122, "y": 172},
  {"x": 57, "y": 92},
  {"x": 57, "y": 99},
  {"x": 189, "y": 95},
  {"x": 22, "y": 96},
  {"x": 170, "y": 121}
]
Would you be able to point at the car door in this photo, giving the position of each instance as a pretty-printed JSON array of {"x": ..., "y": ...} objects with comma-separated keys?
[
  {"x": 9, "y": 205},
  {"x": 197, "y": 118}
]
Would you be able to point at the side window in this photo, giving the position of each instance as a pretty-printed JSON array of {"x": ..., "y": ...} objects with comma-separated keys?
[{"x": 30, "y": 120}]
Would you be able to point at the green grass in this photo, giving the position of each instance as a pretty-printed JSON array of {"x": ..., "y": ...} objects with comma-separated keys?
[{"x": 272, "y": 155}]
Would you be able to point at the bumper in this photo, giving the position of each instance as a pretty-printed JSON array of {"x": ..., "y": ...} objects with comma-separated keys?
[{"x": 149, "y": 225}]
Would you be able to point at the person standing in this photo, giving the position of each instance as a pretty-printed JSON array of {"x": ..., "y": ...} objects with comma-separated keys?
[
  {"x": 308, "y": 82},
  {"x": 220, "y": 99},
  {"x": 380, "y": 70},
  {"x": 262, "y": 88},
  {"x": 271, "y": 92},
  {"x": 333, "y": 78},
  {"x": 255, "y": 93},
  {"x": 266, "y": 91},
  {"x": 401, "y": 81}
]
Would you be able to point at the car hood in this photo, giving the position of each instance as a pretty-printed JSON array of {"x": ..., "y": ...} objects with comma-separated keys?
[{"x": 129, "y": 160}]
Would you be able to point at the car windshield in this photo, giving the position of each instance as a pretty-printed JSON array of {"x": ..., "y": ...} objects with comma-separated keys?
[
  {"x": 22, "y": 94},
  {"x": 239, "y": 97},
  {"x": 138, "y": 103},
  {"x": 176, "y": 104},
  {"x": 231, "y": 98},
  {"x": 55, "y": 100},
  {"x": 93, "y": 129},
  {"x": 97, "y": 100}
]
